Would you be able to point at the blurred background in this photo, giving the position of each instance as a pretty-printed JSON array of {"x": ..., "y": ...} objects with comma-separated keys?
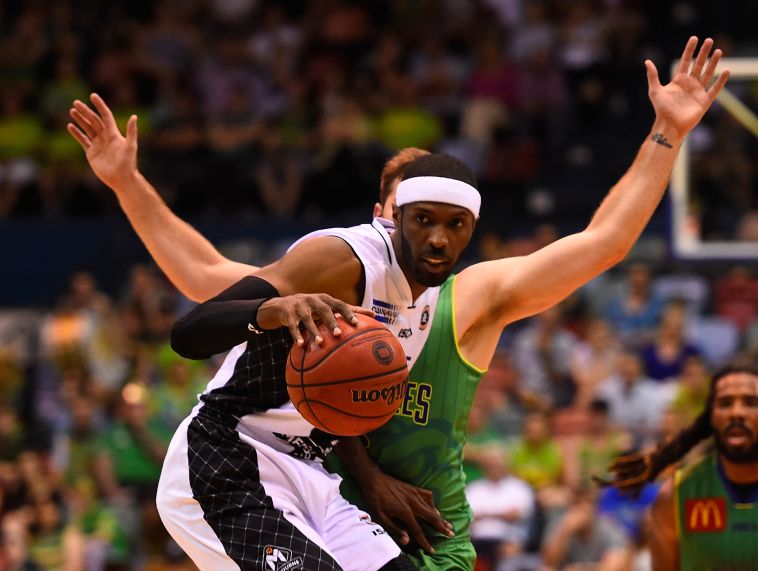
[{"x": 262, "y": 120}]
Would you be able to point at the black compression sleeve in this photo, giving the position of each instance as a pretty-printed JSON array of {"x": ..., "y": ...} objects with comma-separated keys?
[{"x": 222, "y": 322}]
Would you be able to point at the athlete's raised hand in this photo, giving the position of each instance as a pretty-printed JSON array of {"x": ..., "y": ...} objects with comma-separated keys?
[
  {"x": 683, "y": 102},
  {"x": 111, "y": 155}
]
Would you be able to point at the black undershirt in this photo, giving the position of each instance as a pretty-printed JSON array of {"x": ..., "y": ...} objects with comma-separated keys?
[
  {"x": 740, "y": 493},
  {"x": 217, "y": 325},
  {"x": 221, "y": 323},
  {"x": 745, "y": 493}
]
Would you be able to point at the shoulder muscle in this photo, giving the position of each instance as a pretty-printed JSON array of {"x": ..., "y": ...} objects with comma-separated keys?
[{"x": 325, "y": 264}]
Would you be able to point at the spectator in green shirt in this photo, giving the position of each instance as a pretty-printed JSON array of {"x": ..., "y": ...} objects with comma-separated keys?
[
  {"x": 536, "y": 457},
  {"x": 133, "y": 447},
  {"x": 481, "y": 438},
  {"x": 692, "y": 389},
  {"x": 54, "y": 545},
  {"x": 599, "y": 445},
  {"x": 179, "y": 383}
]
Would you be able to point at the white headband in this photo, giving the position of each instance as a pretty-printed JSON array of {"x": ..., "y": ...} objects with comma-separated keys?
[{"x": 439, "y": 189}]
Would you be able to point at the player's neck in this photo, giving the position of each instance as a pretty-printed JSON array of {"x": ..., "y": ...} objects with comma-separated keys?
[
  {"x": 416, "y": 289},
  {"x": 740, "y": 473}
]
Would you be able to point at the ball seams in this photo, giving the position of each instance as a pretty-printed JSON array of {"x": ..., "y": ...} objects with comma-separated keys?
[
  {"x": 302, "y": 386},
  {"x": 332, "y": 349}
]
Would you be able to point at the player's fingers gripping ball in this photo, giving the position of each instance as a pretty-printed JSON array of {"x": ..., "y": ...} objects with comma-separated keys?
[{"x": 352, "y": 384}]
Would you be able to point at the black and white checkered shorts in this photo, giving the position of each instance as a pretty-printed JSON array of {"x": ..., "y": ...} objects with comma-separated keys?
[{"x": 225, "y": 480}]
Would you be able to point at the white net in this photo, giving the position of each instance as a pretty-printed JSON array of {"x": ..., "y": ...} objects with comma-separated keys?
[{"x": 714, "y": 187}]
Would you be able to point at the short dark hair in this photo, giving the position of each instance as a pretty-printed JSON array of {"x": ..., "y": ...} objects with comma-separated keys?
[
  {"x": 395, "y": 168},
  {"x": 439, "y": 164}
]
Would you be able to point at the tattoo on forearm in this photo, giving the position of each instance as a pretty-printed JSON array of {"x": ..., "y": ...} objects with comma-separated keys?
[{"x": 661, "y": 140}]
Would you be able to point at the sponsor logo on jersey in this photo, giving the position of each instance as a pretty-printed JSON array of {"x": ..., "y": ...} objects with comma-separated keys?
[
  {"x": 385, "y": 312},
  {"x": 365, "y": 518},
  {"x": 424, "y": 318},
  {"x": 280, "y": 559},
  {"x": 745, "y": 526},
  {"x": 405, "y": 333},
  {"x": 318, "y": 446},
  {"x": 705, "y": 515},
  {"x": 387, "y": 394}
]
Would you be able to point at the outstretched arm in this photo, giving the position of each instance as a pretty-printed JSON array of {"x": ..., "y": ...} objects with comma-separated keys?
[
  {"x": 514, "y": 288},
  {"x": 291, "y": 292},
  {"x": 190, "y": 261},
  {"x": 250, "y": 307}
]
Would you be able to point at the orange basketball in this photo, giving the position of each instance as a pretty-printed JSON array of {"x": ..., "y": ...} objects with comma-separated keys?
[{"x": 350, "y": 384}]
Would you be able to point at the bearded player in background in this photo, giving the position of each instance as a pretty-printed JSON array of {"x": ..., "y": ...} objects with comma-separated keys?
[{"x": 706, "y": 515}]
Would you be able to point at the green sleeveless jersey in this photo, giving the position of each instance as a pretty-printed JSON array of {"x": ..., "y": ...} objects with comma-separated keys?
[
  {"x": 423, "y": 443},
  {"x": 715, "y": 531}
]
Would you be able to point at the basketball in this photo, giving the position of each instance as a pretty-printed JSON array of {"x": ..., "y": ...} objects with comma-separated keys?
[{"x": 352, "y": 384}]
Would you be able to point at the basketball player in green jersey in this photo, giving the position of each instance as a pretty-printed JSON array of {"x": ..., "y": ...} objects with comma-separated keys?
[
  {"x": 706, "y": 515},
  {"x": 476, "y": 305}
]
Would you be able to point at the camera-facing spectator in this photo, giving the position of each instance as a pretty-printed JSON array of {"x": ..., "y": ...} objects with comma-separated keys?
[
  {"x": 599, "y": 444},
  {"x": 635, "y": 312},
  {"x": 636, "y": 402},
  {"x": 664, "y": 357},
  {"x": 691, "y": 390},
  {"x": 582, "y": 540},
  {"x": 131, "y": 450},
  {"x": 502, "y": 506},
  {"x": 542, "y": 356},
  {"x": 537, "y": 459},
  {"x": 593, "y": 360}
]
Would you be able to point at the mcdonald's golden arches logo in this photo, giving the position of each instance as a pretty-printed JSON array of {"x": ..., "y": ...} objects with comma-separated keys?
[{"x": 705, "y": 514}]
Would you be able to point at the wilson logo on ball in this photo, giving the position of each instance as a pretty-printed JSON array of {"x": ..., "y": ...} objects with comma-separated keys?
[
  {"x": 382, "y": 352},
  {"x": 387, "y": 394}
]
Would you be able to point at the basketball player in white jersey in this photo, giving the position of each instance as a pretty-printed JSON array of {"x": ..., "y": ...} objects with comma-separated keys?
[
  {"x": 489, "y": 295},
  {"x": 254, "y": 464}
]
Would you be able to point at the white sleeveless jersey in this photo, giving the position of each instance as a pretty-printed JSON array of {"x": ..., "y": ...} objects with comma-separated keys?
[{"x": 386, "y": 292}]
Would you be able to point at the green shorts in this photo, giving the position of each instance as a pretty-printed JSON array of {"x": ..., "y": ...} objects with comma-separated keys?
[{"x": 450, "y": 555}]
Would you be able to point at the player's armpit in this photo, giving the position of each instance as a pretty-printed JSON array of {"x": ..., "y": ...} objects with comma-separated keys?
[{"x": 325, "y": 264}]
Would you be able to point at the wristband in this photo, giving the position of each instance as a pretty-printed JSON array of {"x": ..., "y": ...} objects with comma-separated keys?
[{"x": 252, "y": 325}]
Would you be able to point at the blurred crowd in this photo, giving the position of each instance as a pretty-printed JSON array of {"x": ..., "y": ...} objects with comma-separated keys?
[
  {"x": 287, "y": 110},
  {"x": 622, "y": 365},
  {"x": 91, "y": 393}
]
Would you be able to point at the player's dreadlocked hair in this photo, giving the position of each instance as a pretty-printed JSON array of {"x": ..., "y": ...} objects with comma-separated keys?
[{"x": 632, "y": 471}]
